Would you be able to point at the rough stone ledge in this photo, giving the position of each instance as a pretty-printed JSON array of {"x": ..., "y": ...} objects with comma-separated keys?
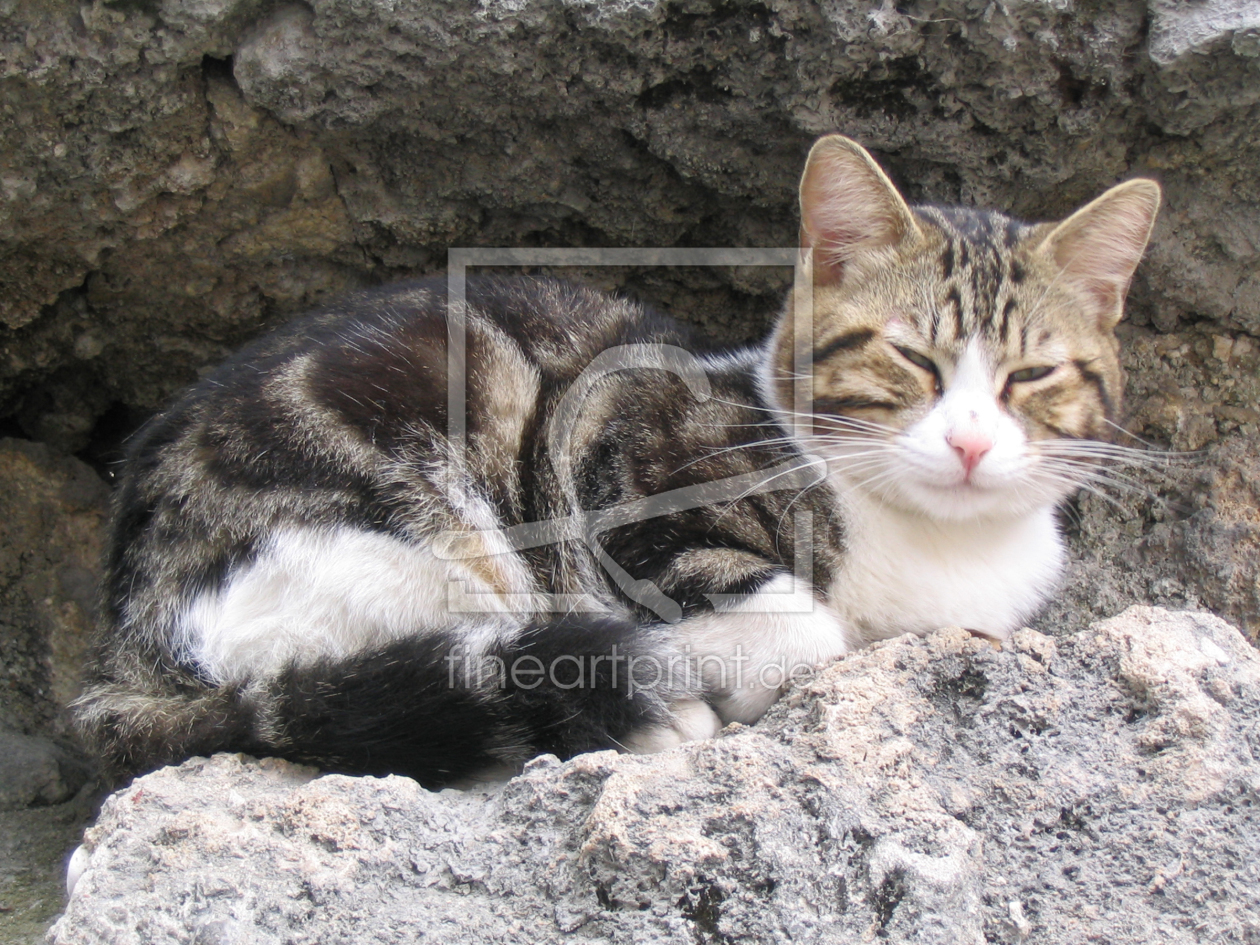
[{"x": 1097, "y": 787}]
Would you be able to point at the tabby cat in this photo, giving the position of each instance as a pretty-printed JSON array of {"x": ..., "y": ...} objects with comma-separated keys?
[{"x": 637, "y": 536}]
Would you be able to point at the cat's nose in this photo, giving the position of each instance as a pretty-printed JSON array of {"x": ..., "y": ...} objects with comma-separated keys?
[{"x": 971, "y": 446}]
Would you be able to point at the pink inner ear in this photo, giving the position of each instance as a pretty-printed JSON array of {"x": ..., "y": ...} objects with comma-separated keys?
[
  {"x": 848, "y": 207},
  {"x": 1100, "y": 246},
  {"x": 1108, "y": 293},
  {"x": 1108, "y": 248}
]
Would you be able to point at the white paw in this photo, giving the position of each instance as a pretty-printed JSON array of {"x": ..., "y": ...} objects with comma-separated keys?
[
  {"x": 693, "y": 720},
  {"x": 75, "y": 868}
]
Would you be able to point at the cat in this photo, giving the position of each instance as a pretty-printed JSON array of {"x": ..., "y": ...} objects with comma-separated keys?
[{"x": 640, "y": 535}]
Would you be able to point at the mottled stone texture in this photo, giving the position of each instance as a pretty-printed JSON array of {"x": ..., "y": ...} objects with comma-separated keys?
[
  {"x": 1098, "y": 787},
  {"x": 52, "y": 511}
]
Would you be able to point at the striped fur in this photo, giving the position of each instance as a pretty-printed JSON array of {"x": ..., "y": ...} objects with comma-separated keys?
[{"x": 305, "y": 564}]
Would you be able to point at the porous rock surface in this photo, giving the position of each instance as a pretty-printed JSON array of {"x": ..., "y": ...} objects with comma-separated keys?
[
  {"x": 52, "y": 531},
  {"x": 1102, "y": 786},
  {"x": 52, "y": 511},
  {"x": 177, "y": 172}
]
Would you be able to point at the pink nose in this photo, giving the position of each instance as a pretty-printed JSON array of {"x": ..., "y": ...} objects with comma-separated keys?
[{"x": 971, "y": 447}]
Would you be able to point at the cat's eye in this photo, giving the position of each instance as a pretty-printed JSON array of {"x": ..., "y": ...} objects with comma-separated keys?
[
  {"x": 1024, "y": 375},
  {"x": 921, "y": 361}
]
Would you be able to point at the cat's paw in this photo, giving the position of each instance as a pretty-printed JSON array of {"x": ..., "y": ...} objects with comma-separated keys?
[
  {"x": 76, "y": 867},
  {"x": 693, "y": 720}
]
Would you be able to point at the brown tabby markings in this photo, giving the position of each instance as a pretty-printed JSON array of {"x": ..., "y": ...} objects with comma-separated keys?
[{"x": 974, "y": 276}]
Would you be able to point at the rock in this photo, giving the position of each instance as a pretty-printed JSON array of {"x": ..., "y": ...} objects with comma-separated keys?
[
  {"x": 1215, "y": 549},
  {"x": 1100, "y": 786},
  {"x": 52, "y": 517},
  {"x": 34, "y": 845},
  {"x": 52, "y": 527},
  {"x": 35, "y": 772},
  {"x": 1185, "y": 534}
]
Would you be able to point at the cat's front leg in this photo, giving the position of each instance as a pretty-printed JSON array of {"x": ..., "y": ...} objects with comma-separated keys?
[
  {"x": 742, "y": 655},
  {"x": 693, "y": 720},
  {"x": 752, "y": 646}
]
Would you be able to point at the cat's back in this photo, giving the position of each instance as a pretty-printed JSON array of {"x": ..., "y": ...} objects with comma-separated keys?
[
  {"x": 376, "y": 362},
  {"x": 383, "y": 353},
  {"x": 340, "y": 419}
]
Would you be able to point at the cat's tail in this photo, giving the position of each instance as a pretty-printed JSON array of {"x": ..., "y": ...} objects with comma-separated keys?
[{"x": 428, "y": 706}]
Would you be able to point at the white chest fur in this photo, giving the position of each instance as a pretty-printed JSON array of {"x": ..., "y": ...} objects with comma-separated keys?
[{"x": 908, "y": 573}]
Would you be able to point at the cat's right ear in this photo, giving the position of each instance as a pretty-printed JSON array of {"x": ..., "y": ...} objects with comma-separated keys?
[
  {"x": 1098, "y": 247},
  {"x": 849, "y": 208}
]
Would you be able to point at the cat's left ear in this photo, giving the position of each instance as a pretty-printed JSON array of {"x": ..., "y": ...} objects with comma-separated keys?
[
  {"x": 1098, "y": 247},
  {"x": 849, "y": 208}
]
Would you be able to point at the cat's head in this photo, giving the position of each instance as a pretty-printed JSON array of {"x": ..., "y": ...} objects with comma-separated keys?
[{"x": 964, "y": 364}]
